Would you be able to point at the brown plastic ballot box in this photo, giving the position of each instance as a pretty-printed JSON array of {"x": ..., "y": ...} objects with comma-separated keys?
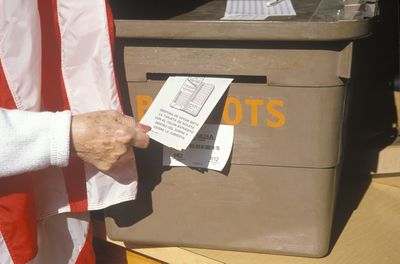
[{"x": 287, "y": 104}]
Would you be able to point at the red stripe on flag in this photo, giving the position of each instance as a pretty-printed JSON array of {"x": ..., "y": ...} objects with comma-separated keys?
[
  {"x": 55, "y": 97},
  {"x": 87, "y": 255},
  {"x": 73, "y": 175},
  {"x": 17, "y": 217},
  {"x": 17, "y": 201},
  {"x": 6, "y": 98},
  {"x": 111, "y": 34}
]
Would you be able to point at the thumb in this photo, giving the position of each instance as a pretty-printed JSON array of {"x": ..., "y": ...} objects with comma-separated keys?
[{"x": 140, "y": 139}]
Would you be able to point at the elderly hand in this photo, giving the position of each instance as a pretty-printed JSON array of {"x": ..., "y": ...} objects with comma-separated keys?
[{"x": 104, "y": 138}]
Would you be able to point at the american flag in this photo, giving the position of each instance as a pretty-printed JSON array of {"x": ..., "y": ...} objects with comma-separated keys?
[{"x": 57, "y": 55}]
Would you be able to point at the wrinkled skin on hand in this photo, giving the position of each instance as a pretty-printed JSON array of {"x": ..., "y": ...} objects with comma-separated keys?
[{"x": 104, "y": 138}]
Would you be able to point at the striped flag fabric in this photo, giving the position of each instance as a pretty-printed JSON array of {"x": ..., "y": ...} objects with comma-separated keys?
[{"x": 57, "y": 55}]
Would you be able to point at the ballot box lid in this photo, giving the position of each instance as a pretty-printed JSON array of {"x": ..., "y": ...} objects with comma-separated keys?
[{"x": 315, "y": 20}]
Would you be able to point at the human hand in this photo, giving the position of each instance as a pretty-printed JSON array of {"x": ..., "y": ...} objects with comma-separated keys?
[{"x": 104, "y": 138}]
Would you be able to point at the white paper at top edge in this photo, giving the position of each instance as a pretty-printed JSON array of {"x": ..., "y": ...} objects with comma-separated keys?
[
  {"x": 210, "y": 149},
  {"x": 257, "y": 9},
  {"x": 181, "y": 108}
]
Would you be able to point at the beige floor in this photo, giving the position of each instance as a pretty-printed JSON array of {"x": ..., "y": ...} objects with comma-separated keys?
[{"x": 369, "y": 234}]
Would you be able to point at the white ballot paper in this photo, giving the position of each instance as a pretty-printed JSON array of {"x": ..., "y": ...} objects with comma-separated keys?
[
  {"x": 210, "y": 149},
  {"x": 257, "y": 9},
  {"x": 181, "y": 108}
]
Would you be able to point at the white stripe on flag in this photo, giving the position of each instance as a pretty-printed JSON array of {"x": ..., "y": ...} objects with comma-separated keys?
[
  {"x": 86, "y": 56},
  {"x": 61, "y": 238},
  {"x": 90, "y": 85},
  {"x": 50, "y": 193},
  {"x": 20, "y": 51}
]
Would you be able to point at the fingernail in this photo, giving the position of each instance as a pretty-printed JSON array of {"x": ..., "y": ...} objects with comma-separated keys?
[{"x": 146, "y": 128}]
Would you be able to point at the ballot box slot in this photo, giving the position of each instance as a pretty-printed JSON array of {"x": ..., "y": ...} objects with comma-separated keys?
[{"x": 256, "y": 79}]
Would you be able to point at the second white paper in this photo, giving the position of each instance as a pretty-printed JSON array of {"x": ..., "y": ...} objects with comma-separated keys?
[
  {"x": 210, "y": 149},
  {"x": 181, "y": 108}
]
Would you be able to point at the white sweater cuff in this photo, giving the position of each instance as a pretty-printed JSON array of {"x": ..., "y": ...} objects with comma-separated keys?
[
  {"x": 31, "y": 141},
  {"x": 60, "y": 139}
]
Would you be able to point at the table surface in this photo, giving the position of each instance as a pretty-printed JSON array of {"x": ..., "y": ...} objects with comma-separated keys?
[{"x": 367, "y": 233}]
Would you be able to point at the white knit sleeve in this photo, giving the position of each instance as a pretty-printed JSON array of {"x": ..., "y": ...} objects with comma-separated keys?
[{"x": 31, "y": 141}]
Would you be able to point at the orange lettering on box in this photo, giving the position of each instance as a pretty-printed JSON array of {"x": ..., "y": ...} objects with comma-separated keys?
[
  {"x": 279, "y": 118},
  {"x": 254, "y": 103},
  {"x": 143, "y": 103},
  {"x": 238, "y": 111}
]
